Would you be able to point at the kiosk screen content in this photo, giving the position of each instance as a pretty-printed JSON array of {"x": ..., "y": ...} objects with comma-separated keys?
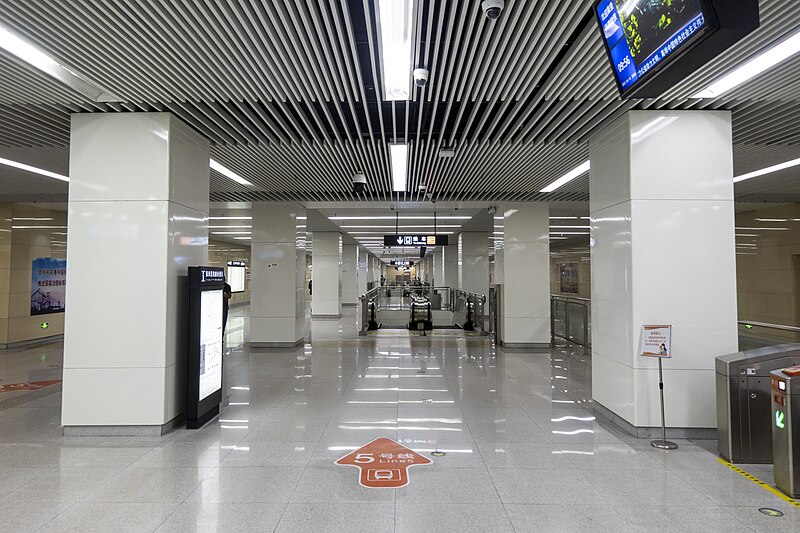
[
  {"x": 210, "y": 343},
  {"x": 236, "y": 275}
]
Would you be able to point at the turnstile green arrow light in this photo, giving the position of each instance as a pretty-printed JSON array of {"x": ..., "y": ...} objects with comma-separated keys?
[{"x": 779, "y": 419}]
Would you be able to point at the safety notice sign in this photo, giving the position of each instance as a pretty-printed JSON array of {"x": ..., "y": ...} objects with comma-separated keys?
[
  {"x": 384, "y": 463},
  {"x": 656, "y": 341}
]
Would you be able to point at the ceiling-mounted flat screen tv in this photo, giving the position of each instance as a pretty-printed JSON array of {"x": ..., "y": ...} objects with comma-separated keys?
[{"x": 653, "y": 44}]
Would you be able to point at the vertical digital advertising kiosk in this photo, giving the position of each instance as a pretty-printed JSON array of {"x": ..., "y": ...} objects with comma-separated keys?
[{"x": 204, "y": 382}]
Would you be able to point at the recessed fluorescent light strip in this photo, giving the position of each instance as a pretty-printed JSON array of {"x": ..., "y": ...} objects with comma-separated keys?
[
  {"x": 768, "y": 170},
  {"x": 395, "y": 17},
  {"x": 37, "y": 58},
  {"x": 569, "y": 176},
  {"x": 401, "y": 217},
  {"x": 753, "y": 68},
  {"x": 35, "y": 170},
  {"x": 398, "y": 155},
  {"x": 228, "y": 173}
]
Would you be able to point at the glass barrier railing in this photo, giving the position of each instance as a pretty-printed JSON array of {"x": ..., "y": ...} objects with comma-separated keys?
[
  {"x": 571, "y": 319},
  {"x": 759, "y": 334}
]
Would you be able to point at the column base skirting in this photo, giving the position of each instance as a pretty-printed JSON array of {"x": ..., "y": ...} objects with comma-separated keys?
[
  {"x": 354, "y": 304},
  {"x": 646, "y": 432},
  {"x": 326, "y": 317},
  {"x": 525, "y": 345},
  {"x": 267, "y": 346},
  {"x": 124, "y": 431},
  {"x": 32, "y": 342}
]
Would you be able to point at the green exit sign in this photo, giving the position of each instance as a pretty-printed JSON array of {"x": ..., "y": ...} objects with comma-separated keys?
[
  {"x": 44, "y": 325},
  {"x": 779, "y": 416}
]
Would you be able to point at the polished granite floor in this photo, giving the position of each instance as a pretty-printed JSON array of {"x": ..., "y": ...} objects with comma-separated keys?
[{"x": 523, "y": 450}]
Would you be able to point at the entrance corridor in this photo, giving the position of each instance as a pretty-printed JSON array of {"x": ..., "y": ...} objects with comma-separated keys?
[{"x": 522, "y": 451}]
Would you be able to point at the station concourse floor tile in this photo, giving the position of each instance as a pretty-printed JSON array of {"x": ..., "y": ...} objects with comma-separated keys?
[{"x": 516, "y": 441}]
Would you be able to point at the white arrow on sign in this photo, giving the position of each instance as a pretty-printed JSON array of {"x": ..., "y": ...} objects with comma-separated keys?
[{"x": 399, "y": 240}]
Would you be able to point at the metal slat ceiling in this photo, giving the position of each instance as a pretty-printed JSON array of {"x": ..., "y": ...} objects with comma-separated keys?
[{"x": 288, "y": 91}]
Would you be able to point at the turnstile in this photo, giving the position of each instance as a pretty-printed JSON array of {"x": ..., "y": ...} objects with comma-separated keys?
[
  {"x": 744, "y": 401},
  {"x": 785, "y": 385}
]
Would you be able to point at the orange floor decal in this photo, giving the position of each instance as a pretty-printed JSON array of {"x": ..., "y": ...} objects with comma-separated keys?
[
  {"x": 31, "y": 385},
  {"x": 384, "y": 463}
]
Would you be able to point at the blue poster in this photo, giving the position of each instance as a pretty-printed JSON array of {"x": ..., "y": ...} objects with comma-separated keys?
[{"x": 48, "y": 285}]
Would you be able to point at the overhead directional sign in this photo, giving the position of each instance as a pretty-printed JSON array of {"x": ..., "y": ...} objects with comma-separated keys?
[
  {"x": 401, "y": 263},
  {"x": 384, "y": 463},
  {"x": 415, "y": 240}
]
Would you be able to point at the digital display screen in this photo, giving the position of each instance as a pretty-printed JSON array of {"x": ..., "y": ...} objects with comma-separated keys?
[
  {"x": 210, "y": 343},
  {"x": 782, "y": 385},
  {"x": 235, "y": 277},
  {"x": 640, "y": 35}
]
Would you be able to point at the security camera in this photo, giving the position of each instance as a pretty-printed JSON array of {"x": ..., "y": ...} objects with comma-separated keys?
[
  {"x": 359, "y": 183},
  {"x": 391, "y": 207},
  {"x": 492, "y": 8},
  {"x": 492, "y": 210},
  {"x": 421, "y": 77}
]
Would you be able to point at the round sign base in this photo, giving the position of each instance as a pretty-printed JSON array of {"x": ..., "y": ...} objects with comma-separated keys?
[
  {"x": 664, "y": 445},
  {"x": 770, "y": 512}
]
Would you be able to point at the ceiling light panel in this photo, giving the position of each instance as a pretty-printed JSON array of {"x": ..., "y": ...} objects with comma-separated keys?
[
  {"x": 753, "y": 68},
  {"x": 395, "y": 17},
  {"x": 398, "y": 154},
  {"x": 768, "y": 170},
  {"x": 37, "y": 58},
  {"x": 569, "y": 176},
  {"x": 228, "y": 173},
  {"x": 35, "y": 170}
]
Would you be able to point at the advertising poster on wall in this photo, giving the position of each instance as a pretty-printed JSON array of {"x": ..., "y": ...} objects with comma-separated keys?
[
  {"x": 48, "y": 285},
  {"x": 569, "y": 278}
]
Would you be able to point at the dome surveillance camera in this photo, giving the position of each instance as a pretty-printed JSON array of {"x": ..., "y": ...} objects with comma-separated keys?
[
  {"x": 359, "y": 183},
  {"x": 492, "y": 8},
  {"x": 421, "y": 77}
]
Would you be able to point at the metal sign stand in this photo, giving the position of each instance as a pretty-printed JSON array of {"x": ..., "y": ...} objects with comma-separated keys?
[{"x": 662, "y": 444}]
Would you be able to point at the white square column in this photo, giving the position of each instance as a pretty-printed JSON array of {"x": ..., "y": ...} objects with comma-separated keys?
[
  {"x": 473, "y": 262},
  {"x": 362, "y": 270},
  {"x": 349, "y": 275},
  {"x": 277, "y": 276},
  {"x": 663, "y": 252},
  {"x": 522, "y": 267},
  {"x": 445, "y": 266},
  {"x": 326, "y": 261},
  {"x": 138, "y": 217}
]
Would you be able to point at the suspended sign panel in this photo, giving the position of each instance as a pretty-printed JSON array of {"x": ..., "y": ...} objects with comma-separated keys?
[{"x": 415, "y": 240}]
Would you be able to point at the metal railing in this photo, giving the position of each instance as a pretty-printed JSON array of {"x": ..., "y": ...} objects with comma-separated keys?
[
  {"x": 759, "y": 334},
  {"x": 571, "y": 319}
]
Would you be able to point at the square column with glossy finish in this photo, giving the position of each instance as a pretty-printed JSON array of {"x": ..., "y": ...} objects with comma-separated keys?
[
  {"x": 349, "y": 274},
  {"x": 277, "y": 270},
  {"x": 138, "y": 218},
  {"x": 662, "y": 216},
  {"x": 473, "y": 262},
  {"x": 445, "y": 265},
  {"x": 326, "y": 261},
  {"x": 522, "y": 266}
]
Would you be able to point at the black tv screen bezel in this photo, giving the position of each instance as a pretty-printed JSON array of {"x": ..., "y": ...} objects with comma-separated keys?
[{"x": 712, "y": 25}]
